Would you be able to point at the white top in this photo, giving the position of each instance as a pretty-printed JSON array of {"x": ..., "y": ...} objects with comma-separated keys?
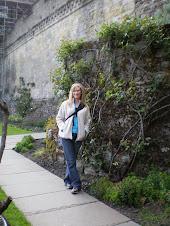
[{"x": 65, "y": 127}]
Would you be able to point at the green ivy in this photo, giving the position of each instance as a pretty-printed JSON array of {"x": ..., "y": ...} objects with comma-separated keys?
[
  {"x": 129, "y": 31},
  {"x": 68, "y": 49},
  {"x": 68, "y": 73},
  {"x": 113, "y": 86}
]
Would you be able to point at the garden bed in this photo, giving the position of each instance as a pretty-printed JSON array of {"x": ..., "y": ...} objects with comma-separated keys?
[{"x": 152, "y": 214}]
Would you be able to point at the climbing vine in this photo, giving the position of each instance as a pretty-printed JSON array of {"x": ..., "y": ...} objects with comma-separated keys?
[
  {"x": 63, "y": 76},
  {"x": 120, "y": 86}
]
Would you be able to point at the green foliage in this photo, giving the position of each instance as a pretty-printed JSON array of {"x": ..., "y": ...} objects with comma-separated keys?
[
  {"x": 41, "y": 152},
  {"x": 38, "y": 123},
  {"x": 43, "y": 141},
  {"x": 68, "y": 72},
  {"x": 98, "y": 187},
  {"x": 157, "y": 186},
  {"x": 152, "y": 217},
  {"x": 115, "y": 80},
  {"x": 23, "y": 101},
  {"x": 68, "y": 48},
  {"x": 13, "y": 130},
  {"x": 50, "y": 140},
  {"x": 25, "y": 144},
  {"x": 134, "y": 191},
  {"x": 15, "y": 118},
  {"x": 130, "y": 30}
]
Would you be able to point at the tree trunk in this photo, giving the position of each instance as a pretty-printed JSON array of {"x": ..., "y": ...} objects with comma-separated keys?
[
  {"x": 4, "y": 204},
  {"x": 4, "y": 128}
]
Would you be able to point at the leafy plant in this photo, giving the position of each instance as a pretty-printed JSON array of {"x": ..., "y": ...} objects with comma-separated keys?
[
  {"x": 23, "y": 100},
  {"x": 62, "y": 77},
  {"x": 15, "y": 118},
  {"x": 134, "y": 191},
  {"x": 25, "y": 144},
  {"x": 68, "y": 48},
  {"x": 116, "y": 83},
  {"x": 43, "y": 141},
  {"x": 38, "y": 123},
  {"x": 40, "y": 153},
  {"x": 129, "y": 31}
]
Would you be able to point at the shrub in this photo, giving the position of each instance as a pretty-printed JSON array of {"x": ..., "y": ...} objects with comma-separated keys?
[
  {"x": 43, "y": 141},
  {"x": 25, "y": 144},
  {"x": 157, "y": 186},
  {"x": 99, "y": 187},
  {"x": 134, "y": 191},
  {"x": 29, "y": 138},
  {"x": 38, "y": 123},
  {"x": 18, "y": 147},
  {"x": 30, "y": 146},
  {"x": 24, "y": 149},
  {"x": 131, "y": 191},
  {"x": 15, "y": 118},
  {"x": 40, "y": 153}
]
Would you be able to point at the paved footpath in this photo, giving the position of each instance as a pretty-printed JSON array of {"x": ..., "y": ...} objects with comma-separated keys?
[{"x": 43, "y": 197}]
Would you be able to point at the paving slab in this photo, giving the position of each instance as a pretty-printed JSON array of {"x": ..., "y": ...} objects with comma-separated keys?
[
  {"x": 32, "y": 189},
  {"x": 52, "y": 201},
  {"x": 14, "y": 169},
  {"x": 90, "y": 214},
  {"x": 129, "y": 223},
  {"x": 26, "y": 177},
  {"x": 44, "y": 199}
]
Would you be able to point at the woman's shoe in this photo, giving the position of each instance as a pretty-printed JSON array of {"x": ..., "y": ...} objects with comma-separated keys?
[
  {"x": 75, "y": 190},
  {"x": 69, "y": 186}
]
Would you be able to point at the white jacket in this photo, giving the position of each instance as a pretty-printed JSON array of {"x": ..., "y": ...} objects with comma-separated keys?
[{"x": 65, "y": 127}]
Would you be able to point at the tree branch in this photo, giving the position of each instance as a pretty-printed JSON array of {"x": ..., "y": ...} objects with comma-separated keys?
[
  {"x": 163, "y": 98},
  {"x": 98, "y": 93},
  {"x": 140, "y": 58},
  {"x": 168, "y": 105},
  {"x": 4, "y": 128},
  {"x": 4, "y": 204}
]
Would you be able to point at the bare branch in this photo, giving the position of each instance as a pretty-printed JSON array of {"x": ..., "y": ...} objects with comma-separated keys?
[
  {"x": 141, "y": 119},
  {"x": 95, "y": 103},
  {"x": 168, "y": 105},
  {"x": 4, "y": 204},
  {"x": 99, "y": 119},
  {"x": 4, "y": 128},
  {"x": 113, "y": 156},
  {"x": 140, "y": 58},
  {"x": 163, "y": 98}
]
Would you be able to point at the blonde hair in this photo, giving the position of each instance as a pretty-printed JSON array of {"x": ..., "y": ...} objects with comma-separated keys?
[{"x": 82, "y": 98}]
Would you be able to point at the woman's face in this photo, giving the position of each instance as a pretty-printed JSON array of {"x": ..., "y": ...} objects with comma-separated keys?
[{"x": 77, "y": 92}]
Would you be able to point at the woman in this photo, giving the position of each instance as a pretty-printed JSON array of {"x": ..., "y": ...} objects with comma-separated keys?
[{"x": 73, "y": 120}]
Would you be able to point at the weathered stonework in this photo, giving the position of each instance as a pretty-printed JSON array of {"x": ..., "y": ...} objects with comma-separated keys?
[
  {"x": 31, "y": 46},
  {"x": 148, "y": 7}
]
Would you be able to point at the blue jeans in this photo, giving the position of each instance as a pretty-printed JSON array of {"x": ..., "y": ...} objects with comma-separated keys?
[{"x": 71, "y": 149}]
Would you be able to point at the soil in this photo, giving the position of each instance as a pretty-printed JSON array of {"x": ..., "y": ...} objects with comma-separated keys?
[{"x": 140, "y": 216}]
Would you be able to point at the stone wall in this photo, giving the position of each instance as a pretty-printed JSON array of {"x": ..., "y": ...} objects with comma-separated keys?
[
  {"x": 31, "y": 46},
  {"x": 148, "y": 7}
]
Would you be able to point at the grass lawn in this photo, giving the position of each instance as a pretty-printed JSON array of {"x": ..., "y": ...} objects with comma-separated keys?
[
  {"x": 13, "y": 215},
  {"x": 13, "y": 130}
]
